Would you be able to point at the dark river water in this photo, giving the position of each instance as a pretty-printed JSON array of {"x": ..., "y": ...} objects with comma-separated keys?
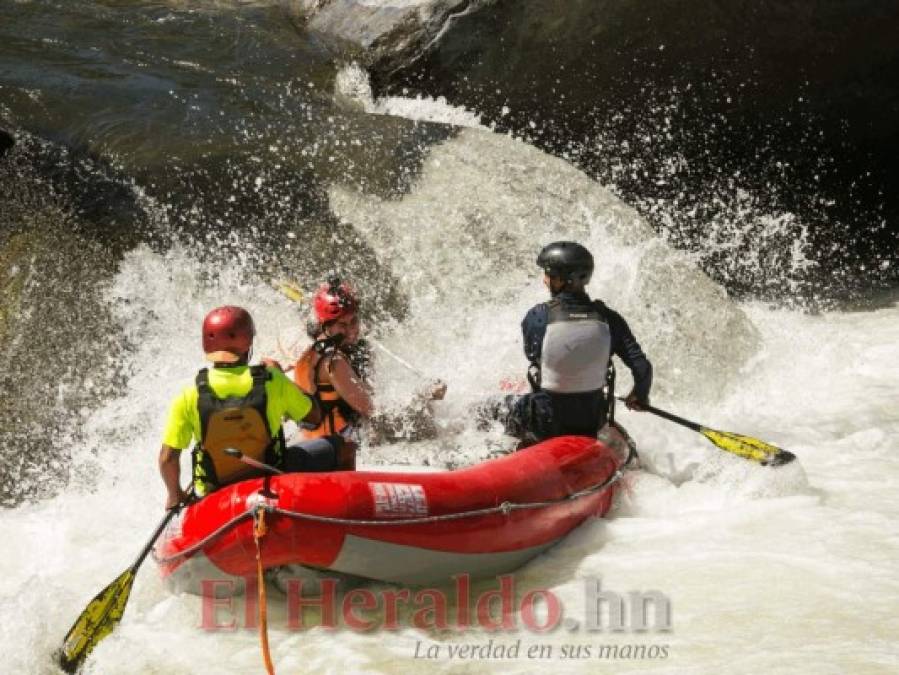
[
  {"x": 732, "y": 165},
  {"x": 759, "y": 137}
]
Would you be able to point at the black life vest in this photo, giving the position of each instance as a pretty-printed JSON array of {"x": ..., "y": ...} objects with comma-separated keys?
[{"x": 239, "y": 422}]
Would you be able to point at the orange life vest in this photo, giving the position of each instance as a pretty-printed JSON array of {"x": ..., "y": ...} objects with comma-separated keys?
[{"x": 337, "y": 414}]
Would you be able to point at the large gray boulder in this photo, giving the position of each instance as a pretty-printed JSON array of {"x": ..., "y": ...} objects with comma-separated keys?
[
  {"x": 384, "y": 34},
  {"x": 466, "y": 236}
]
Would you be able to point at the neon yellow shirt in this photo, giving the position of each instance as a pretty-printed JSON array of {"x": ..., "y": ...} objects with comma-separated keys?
[{"x": 284, "y": 399}]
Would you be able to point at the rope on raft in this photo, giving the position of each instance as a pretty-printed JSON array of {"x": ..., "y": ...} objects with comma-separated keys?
[
  {"x": 505, "y": 508},
  {"x": 260, "y": 529}
]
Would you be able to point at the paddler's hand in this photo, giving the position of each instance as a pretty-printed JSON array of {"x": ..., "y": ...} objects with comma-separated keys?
[
  {"x": 513, "y": 385},
  {"x": 437, "y": 390},
  {"x": 272, "y": 363},
  {"x": 175, "y": 499},
  {"x": 634, "y": 403}
]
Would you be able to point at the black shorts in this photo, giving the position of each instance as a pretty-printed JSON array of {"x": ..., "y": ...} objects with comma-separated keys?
[
  {"x": 540, "y": 415},
  {"x": 319, "y": 454}
]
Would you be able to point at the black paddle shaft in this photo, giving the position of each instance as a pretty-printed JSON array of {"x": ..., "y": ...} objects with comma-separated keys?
[
  {"x": 668, "y": 416},
  {"x": 159, "y": 528},
  {"x": 673, "y": 418}
]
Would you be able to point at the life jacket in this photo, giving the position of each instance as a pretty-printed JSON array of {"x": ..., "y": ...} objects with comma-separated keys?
[
  {"x": 239, "y": 422},
  {"x": 337, "y": 414},
  {"x": 576, "y": 349}
]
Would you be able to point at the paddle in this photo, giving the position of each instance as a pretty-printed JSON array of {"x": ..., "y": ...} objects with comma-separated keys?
[
  {"x": 255, "y": 463},
  {"x": 747, "y": 447},
  {"x": 293, "y": 292},
  {"x": 102, "y": 613}
]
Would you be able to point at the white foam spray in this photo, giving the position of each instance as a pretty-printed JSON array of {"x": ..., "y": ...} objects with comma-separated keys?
[{"x": 764, "y": 569}]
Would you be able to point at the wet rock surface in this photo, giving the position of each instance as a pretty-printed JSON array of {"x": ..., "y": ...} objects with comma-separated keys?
[
  {"x": 386, "y": 34},
  {"x": 761, "y": 136},
  {"x": 65, "y": 222}
]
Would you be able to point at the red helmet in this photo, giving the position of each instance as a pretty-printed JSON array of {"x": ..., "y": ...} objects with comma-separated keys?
[
  {"x": 228, "y": 334},
  {"x": 333, "y": 300}
]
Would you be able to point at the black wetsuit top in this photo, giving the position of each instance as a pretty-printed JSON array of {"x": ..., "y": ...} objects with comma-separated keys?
[{"x": 583, "y": 413}]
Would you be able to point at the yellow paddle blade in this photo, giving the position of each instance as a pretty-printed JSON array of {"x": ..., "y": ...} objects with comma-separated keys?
[
  {"x": 96, "y": 622},
  {"x": 748, "y": 447},
  {"x": 290, "y": 290}
]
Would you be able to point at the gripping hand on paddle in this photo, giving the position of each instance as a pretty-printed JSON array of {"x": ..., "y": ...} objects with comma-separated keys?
[
  {"x": 437, "y": 390},
  {"x": 634, "y": 403},
  {"x": 173, "y": 500}
]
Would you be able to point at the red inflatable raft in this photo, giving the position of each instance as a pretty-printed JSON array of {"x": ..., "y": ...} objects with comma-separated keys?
[{"x": 409, "y": 528}]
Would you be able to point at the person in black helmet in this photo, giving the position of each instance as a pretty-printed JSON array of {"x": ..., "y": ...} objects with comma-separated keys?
[{"x": 569, "y": 342}]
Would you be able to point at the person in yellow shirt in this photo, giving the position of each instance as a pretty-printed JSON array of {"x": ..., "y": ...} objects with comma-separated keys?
[{"x": 236, "y": 405}]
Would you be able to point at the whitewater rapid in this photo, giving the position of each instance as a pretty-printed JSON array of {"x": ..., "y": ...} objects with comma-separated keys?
[
  {"x": 765, "y": 569},
  {"x": 788, "y": 570}
]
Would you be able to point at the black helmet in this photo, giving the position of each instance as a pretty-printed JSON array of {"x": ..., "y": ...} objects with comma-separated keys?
[{"x": 567, "y": 260}]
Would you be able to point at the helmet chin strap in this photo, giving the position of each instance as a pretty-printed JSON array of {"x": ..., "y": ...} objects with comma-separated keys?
[
  {"x": 334, "y": 284},
  {"x": 555, "y": 290},
  {"x": 235, "y": 364},
  {"x": 570, "y": 287},
  {"x": 328, "y": 342}
]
